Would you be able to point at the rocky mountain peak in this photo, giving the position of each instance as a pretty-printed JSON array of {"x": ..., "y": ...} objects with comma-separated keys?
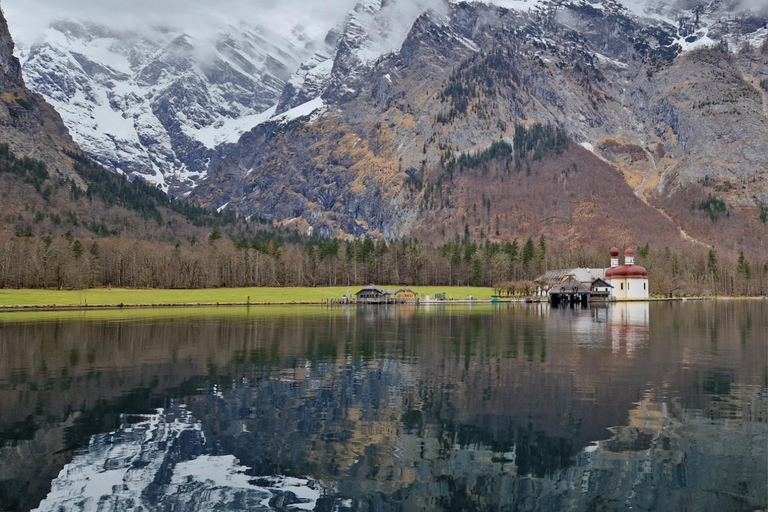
[
  {"x": 359, "y": 130},
  {"x": 28, "y": 125},
  {"x": 9, "y": 64},
  {"x": 632, "y": 86}
]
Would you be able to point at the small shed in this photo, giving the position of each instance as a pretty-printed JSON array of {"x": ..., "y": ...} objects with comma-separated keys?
[{"x": 406, "y": 294}]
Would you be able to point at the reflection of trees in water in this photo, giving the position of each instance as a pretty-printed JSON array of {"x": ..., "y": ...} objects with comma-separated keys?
[{"x": 338, "y": 386}]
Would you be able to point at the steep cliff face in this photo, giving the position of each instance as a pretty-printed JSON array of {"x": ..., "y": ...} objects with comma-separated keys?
[
  {"x": 671, "y": 110},
  {"x": 28, "y": 124}
]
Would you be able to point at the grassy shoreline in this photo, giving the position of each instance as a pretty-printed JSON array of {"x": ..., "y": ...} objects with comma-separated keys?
[
  {"x": 123, "y": 297},
  {"x": 117, "y": 298}
]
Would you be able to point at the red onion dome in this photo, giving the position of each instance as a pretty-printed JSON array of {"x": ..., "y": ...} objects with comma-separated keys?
[
  {"x": 629, "y": 252},
  {"x": 623, "y": 271},
  {"x": 614, "y": 252},
  {"x": 636, "y": 271}
]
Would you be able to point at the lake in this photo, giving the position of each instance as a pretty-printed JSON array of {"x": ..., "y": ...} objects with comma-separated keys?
[{"x": 648, "y": 406}]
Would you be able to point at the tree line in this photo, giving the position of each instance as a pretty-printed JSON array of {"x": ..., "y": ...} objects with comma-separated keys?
[{"x": 268, "y": 259}]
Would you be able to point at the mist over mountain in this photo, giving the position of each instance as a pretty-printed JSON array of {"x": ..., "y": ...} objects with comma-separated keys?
[{"x": 200, "y": 19}]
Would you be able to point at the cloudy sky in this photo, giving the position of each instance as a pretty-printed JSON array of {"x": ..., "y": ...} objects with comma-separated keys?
[{"x": 28, "y": 18}]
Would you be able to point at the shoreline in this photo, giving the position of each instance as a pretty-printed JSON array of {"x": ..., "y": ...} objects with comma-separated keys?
[{"x": 324, "y": 303}]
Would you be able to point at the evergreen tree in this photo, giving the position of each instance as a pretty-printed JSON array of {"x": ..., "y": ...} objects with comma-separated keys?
[
  {"x": 529, "y": 251},
  {"x": 743, "y": 269},
  {"x": 215, "y": 235},
  {"x": 477, "y": 272},
  {"x": 712, "y": 264},
  {"x": 77, "y": 249}
]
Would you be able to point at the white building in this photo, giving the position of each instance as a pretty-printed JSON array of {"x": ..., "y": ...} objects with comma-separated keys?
[
  {"x": 629, "y": 281},
  {"x": 617, "y": 282}
]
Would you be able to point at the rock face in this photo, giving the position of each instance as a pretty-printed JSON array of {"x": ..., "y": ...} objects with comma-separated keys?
[
  {"x": 671, "y": 98},
  {"x": 28, "y": 124}
]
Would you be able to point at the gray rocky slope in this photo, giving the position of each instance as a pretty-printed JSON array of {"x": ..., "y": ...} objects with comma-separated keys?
[
  {"x": 673, "y": 98},
  {"x": 28, "y": 125}
]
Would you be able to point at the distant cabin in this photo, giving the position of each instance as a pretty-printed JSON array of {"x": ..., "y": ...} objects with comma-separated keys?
[
  {"x": 570, "y": 286},
  {"x": 570, "y": 290},
  {"x": 406, "y": 294},
  {"x": 372, "y": 294}
]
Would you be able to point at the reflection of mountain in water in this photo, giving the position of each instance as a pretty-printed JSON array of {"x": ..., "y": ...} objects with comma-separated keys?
[
  {"x": 388, "y": 442},
  {"x": 661, "y": 459},
  {"x": 401, "y": 409},
  {"x": 160, "y": 463}
]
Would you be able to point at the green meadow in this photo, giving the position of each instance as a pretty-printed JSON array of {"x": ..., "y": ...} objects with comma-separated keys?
[{"x": 142, "y": 297}]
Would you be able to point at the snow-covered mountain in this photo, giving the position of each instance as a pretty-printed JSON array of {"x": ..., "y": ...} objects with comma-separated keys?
[
  {"x": 157, "y": 103},
  {"x": 372, "y": 29},
  {"x": 664, "y": 93},
  {"x": 166, "y": 105}
]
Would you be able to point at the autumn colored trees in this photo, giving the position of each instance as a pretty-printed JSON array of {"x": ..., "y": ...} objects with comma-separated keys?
[{"x": 268, "y": 260}]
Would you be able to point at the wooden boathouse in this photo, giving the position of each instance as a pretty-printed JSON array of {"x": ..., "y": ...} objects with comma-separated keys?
[{"x": 569, "y": 292}]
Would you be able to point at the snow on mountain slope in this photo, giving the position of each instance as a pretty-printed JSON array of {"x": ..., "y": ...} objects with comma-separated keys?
[
  {"x": 372, "y": 29},
  {"x": 375, "y": 28},
  {"x": 156, "y": 105}
]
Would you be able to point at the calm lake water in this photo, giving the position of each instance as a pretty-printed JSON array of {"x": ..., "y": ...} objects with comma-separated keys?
[{"x": 660, "y": 406}]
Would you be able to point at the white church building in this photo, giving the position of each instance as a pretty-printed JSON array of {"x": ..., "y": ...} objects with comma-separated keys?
[{"x": 629, "y": 281}]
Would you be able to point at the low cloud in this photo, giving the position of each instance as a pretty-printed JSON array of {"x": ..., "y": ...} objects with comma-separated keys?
[
  {"x": 760, "y": 6},
  {"x": 29, "y": 18}
]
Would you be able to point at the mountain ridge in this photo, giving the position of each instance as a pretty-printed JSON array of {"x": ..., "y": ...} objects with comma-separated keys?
[
  {"x": 661, "y": 93},
  {"x": 409, "y": 112}
]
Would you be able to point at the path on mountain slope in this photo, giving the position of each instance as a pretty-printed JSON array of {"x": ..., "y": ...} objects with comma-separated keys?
[{"x": 641, "y": 191}]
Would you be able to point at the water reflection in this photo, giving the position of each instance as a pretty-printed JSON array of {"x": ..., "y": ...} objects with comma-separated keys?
[{"x": 657, "y": 407}]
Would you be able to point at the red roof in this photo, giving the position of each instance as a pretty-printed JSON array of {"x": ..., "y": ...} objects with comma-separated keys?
[
  {"x": 629, "y": 252},
  {"x": 624, "y": 271},
  {"x": 614, "y": 252}
]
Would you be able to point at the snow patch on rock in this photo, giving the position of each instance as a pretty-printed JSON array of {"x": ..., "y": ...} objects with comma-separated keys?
[{"x": 158, "y": 463}]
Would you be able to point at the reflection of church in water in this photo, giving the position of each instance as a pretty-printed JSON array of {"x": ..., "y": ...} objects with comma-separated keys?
[{"x": 626, "y": 323}]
